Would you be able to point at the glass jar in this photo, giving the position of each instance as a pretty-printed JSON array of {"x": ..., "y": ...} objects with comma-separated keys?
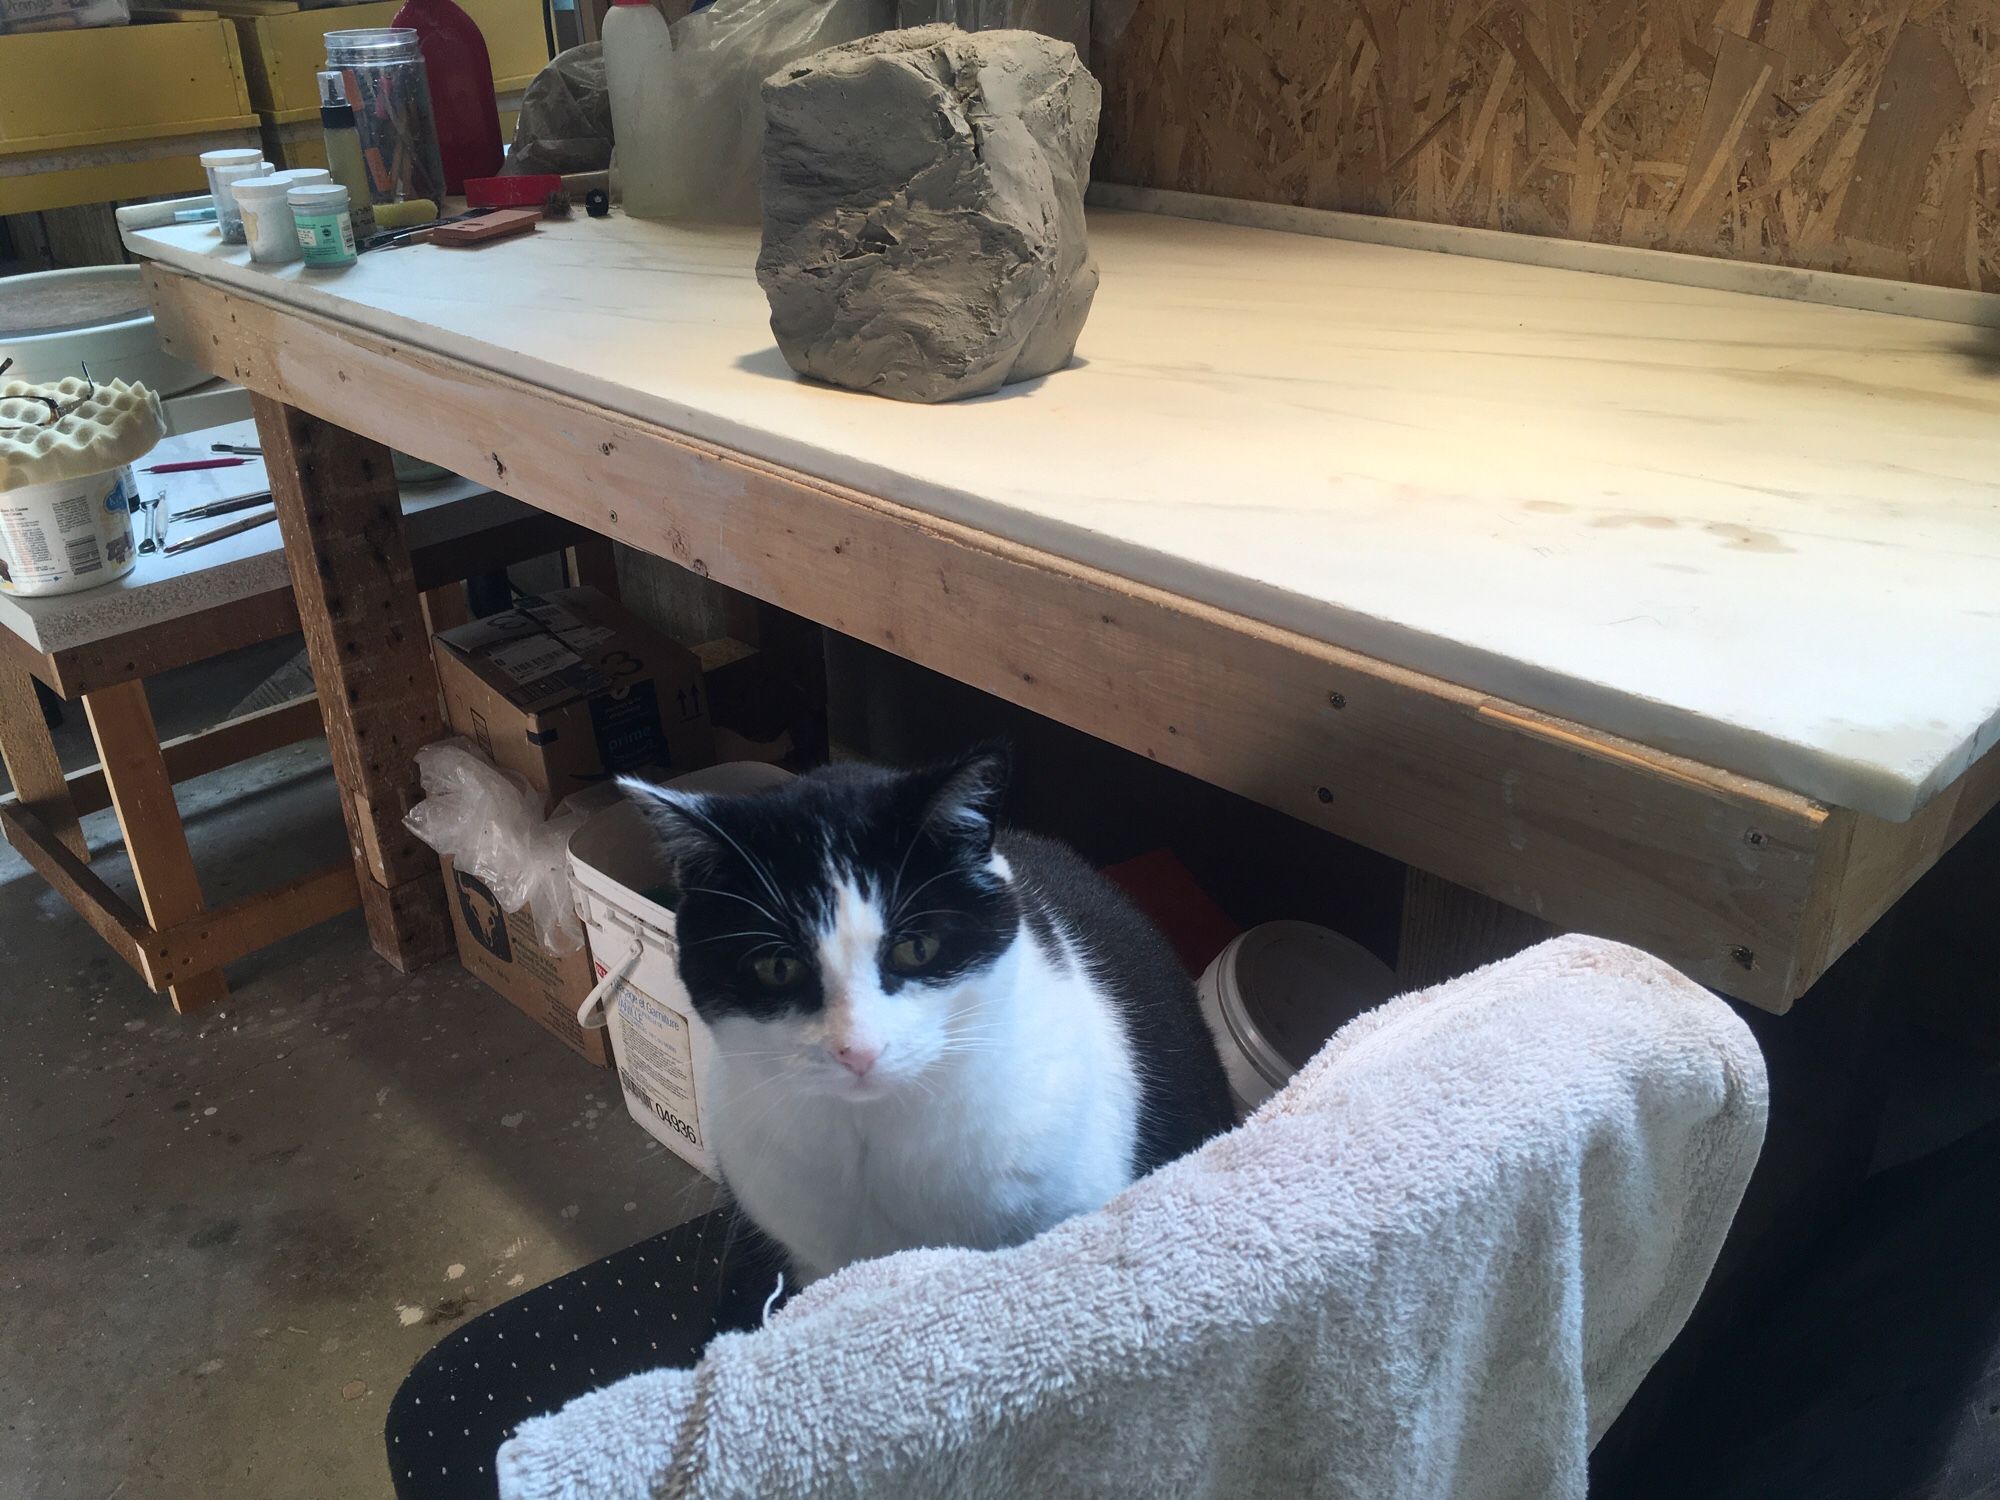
[{"x": 386, "y": 85}]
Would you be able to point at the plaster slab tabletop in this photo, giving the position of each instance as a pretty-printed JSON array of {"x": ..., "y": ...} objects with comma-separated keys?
[
  {"x": 244, "y": 566},
  {"x": 1761, "y": 533}
]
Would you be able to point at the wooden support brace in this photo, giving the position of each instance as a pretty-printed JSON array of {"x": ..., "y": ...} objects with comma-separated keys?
[
  {"x": 30, "y": 758},
  {"x": 342, "y": 520},
  {"x": 142, "y": 794}
]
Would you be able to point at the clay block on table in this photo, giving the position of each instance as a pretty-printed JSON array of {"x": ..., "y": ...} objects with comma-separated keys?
[{"x": 923, "y": 210}]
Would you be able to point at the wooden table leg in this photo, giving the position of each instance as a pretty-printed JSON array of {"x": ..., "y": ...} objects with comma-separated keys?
[
  {"x": 142, "y": 794},
  {"x": 593, "y": 563},
  {"x": 342, "y": 519},
  {"x": 1449, "y": 930},
  {"x": 30, "y": 758}
]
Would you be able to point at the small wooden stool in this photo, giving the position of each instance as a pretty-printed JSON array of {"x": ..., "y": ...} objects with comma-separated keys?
[{"x": 99, "y": 646}]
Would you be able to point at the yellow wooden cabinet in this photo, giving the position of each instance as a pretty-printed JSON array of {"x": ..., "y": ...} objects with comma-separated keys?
[{"x": 118, "y": 111}]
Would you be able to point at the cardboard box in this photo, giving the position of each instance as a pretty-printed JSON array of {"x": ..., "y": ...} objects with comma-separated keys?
[
  {"x": 570, "y": 690},
  {"x": 504, "y": 949}
]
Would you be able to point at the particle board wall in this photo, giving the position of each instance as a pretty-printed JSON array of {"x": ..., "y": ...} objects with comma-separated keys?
[{"x": 1846, "y": 135}]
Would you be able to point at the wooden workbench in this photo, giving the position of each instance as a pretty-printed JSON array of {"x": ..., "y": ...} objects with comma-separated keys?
[{"x": 1657, "y": 611}]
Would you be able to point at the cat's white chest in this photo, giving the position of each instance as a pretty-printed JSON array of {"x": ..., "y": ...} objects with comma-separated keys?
[{"x": 1036, "y": 1124}]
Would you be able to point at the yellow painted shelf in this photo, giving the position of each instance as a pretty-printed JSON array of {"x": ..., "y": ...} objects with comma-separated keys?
[{"x": 61, "y": 91}]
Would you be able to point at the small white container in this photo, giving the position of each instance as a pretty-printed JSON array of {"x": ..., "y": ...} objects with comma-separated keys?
[
  {"x": 268, "y": 226},
  {"x": 325, "y": 227},
  {"x": 1276, "y": 993},
  {"x": 67, "y": 534},
  {"x": 66, "y": 450},
  {"x": 223, "y": 168},
  {"x": 660, "y": 1046}
]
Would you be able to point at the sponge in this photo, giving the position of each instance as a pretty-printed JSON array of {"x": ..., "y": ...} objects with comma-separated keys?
[{"x": 100, "y": 426}]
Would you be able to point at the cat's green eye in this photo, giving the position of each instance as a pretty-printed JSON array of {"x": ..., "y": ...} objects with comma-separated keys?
[
  {"x": 914, "y": 953},
  {"x": 777, "y": 971}
]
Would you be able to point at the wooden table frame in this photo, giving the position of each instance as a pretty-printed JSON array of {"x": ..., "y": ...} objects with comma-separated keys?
[
  {"x": 176, "y": 943},
  {"x": 1745, "y": 886}
]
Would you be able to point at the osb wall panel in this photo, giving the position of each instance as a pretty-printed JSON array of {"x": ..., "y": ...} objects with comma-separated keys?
[{"x": 1848, "y": 135}]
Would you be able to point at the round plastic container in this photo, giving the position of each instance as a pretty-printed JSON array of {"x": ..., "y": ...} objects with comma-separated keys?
[
  {"x": 387, "y": 86},
  {"x": 223, "y": 168},
  {"x": 52, "y": 323},
  {"x": 68, "y": 534},
  {"x": 325, "y": 229},
  {"x": 66, "y": 449},
  {"x": 267, "y": 212},
  {"x": 1277, "y": 992}
]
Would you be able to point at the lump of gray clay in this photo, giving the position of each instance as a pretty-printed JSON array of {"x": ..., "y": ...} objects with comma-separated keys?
[{"x": 923, "y": 210}]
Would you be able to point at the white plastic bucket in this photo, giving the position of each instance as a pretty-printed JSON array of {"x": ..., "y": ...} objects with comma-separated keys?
[
  {"x": 67, "y": 534},
  {"x": 658, "y": 1044},
  {"x": 1276, "y": 993}
]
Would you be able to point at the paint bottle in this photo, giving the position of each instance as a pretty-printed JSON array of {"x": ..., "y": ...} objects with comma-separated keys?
[
  {"x": 325, "y": 228},
  {"x": 343, "y": 150}
]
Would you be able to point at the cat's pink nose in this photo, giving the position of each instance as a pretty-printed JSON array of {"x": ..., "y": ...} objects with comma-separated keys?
[{"x": 857, "y": 1059}]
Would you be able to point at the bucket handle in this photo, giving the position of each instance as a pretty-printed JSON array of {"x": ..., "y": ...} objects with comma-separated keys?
[{"x": 591, "y": 1014}]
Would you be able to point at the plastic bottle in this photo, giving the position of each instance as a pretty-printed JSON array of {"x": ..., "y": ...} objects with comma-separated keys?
[
  {"x": 461, "y": 79},
  {"x": 637, "y": 45},
  {"x": 343, "y": 150}
]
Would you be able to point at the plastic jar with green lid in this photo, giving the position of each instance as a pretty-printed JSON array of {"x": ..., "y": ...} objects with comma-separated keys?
[{"x": 320, "y": 210}]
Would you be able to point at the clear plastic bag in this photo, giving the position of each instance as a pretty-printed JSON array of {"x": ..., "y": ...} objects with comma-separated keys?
[
  {"x": 490, "y": 823},
  {"x": 1065, "y": 20},
  {"x": 695, "y": 152},
  {"x": 565, "y": 119}
]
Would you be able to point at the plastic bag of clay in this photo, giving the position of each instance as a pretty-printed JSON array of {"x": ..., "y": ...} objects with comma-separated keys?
[
  {"x": 565, "y": 119},
  {"x": 1065, "y": 20},
  {"x": 490, "y": 823},
  {"x": 699, "y": 157}
]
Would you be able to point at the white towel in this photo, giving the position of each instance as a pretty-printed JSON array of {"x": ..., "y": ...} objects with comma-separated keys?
[{"x": 1436, "y": 1264}]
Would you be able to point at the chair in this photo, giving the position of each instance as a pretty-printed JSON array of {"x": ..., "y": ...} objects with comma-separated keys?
[{"x": 1437, "y": 1263}]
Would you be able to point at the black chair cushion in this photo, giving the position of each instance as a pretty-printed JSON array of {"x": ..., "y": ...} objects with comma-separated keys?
[{"x": 652, "y": 1306}]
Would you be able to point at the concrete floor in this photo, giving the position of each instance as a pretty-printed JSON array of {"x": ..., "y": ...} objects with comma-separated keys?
[{"x": 224, "y": 1240}]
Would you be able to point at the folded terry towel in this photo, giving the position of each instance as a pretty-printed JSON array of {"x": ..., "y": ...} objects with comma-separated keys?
[{"x": 1436, "y": 1264}]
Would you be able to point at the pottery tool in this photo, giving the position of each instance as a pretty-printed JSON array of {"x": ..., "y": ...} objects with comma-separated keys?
[
  {"x": 223, "y": 507},
  {"x": 247, "y": 448},
  {"x": 234, "y": 528},
  {"x": 188, "y": 466}
]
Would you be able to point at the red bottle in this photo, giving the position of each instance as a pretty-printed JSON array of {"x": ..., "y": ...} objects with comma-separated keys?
[{"x": 461, "y": 80}]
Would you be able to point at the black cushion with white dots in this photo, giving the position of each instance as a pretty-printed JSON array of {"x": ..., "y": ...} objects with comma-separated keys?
[{"x": 655, "y": 1305}]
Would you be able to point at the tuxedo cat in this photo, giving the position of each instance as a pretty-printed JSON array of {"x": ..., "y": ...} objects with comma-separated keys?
[{"x": 927, "y": 1032}]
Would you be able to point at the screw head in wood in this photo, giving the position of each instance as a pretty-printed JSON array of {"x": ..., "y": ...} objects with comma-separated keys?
[
  {"x": 1338, "y": 700},
  {"x": 1325, "y": 794}
]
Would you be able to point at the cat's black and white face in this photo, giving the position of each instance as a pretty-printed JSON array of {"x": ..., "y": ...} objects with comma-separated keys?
[{"x": 837, "y": 930}]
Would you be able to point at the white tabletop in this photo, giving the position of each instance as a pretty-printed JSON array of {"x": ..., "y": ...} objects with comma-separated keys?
[
  {"x": 1762, "y": 533},
  {"x": 237, "y": 567}
]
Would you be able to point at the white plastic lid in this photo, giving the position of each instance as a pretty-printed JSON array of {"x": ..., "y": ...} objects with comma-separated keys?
[
  {"x": 320, "y": 195},
  {"x": 234, "y": 156},
  {"x": 275, "y": 186}
]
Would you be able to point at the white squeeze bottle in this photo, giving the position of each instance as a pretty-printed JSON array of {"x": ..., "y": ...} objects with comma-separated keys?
[{"x": 637, "y": 46}]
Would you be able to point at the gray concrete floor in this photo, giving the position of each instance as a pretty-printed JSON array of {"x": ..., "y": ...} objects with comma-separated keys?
[{"x": 224, "y": 1240}]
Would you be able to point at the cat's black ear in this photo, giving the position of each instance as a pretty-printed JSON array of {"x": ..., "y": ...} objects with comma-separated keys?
[
  {"x": 967, "y": 792},
  {"x": 678, "y": 819}
]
